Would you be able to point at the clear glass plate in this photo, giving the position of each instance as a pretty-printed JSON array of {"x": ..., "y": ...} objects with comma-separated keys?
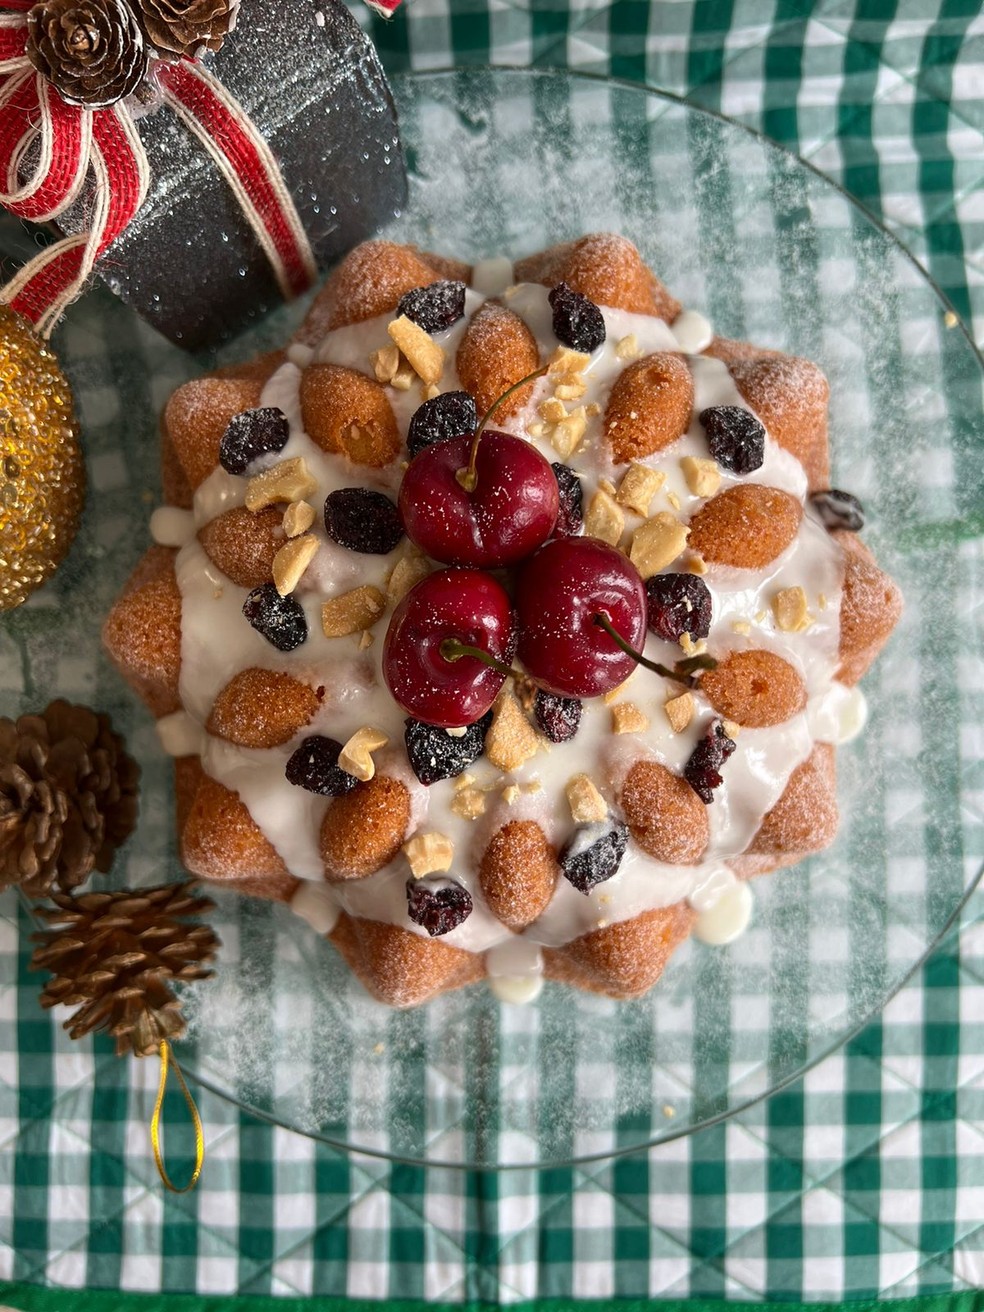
[{"x": 508, "y": 161}]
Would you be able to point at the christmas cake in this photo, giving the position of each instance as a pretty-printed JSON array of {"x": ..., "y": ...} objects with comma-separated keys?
[{"x": 395, "y": 650}]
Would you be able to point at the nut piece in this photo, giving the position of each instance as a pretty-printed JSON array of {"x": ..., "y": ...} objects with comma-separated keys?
[
  {"x": 510, "y": 793},
  {"x": 570, "y": 388},
  {"x": 568, "y": 432},
  {"x": 292, "y": 560},
  {"x": 627, "y": 718},
  {"x": 703, "y": 476},
  {"x": 791, "y": 611},
  {"x": 468, "y": 803},
  {"x": 638, "y": 487},
  {"x": 352, "y": 612},
  {"x": 565, "y": 360},
  {"x": 422, "y": 352},
  {"x": 604, "y": 519},
  {"x": 680, "y": 711},
  {"x": 511, "y": 739},
  {"x": 402, "y": 380},
  {"x": 627, "y": 348},
  {"x": 290, "y": 480},
  {"x": 657, "y": 543},
  {"x": 298, "y": 518},
  {"x": 408, "y": 571},
  {"x": 552, "y": 410},
  {"x": 356, "y": 756},
  {"x": 428, "y": 854},
  {"x": 741, "y": 626},
  {"x": 586, "y": 803},
  {"x": 691, "y": 648},
  {"x": 385, "y": 362}
]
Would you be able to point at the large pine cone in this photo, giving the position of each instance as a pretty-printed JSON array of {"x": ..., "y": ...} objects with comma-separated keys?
[
  {"x": 187, "y": 28},
  {"x": 68, "y": 797},
  {"x": 91, "y": 51},
  {"x": 116, "y": 954}
]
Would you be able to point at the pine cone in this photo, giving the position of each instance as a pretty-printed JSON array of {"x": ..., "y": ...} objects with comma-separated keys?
[
  {"x": 187, "y": 28},
  {"x": 91, "y": 51},
  {"x": 68, "y": 797},
  {"x": 116, "y": 954}
]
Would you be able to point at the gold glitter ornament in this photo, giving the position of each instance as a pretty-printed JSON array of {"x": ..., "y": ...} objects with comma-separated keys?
[{"x": 42, "y": 477}]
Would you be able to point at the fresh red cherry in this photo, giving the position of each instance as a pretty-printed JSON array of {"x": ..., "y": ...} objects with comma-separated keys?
[
  {"x": 510, "y": 512},
  {"x": 560, "y": 592},
  {"x": 422, "y": 665}
]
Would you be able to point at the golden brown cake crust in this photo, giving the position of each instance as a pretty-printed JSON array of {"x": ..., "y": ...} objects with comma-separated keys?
[
  {"x": 362, "y": 830},
  {"x": 496, "y": 351},
  {"x": 607, "y": 269},
  {"x": 369, "y": 281},
  {"x": 222, "y": 842},
  {"x": 665, "y": 816},
  {"x": 790, "y": 396},
  {"x": 747, "y": 526},
  {"x": 756, "y": 689},
  {"x": 242, "y": 544},
  {"x": 804, "y": 820},
  {"x": 142, "y": 632},
  {"x": 262, "y": 708},
  {"x": 197, "y": 416},
  {"x": 401, "y": 968},
  {"x": 650, "y": 407},
  {"x": 347, "y": 413},
  {"x": 871, "y": 606},
  {"x": 518, "y": 873},
  {"x": 622, "y": 960}
]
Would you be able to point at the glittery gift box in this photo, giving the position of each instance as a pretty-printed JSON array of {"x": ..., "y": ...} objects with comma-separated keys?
[{"x": 312, "y": 83}]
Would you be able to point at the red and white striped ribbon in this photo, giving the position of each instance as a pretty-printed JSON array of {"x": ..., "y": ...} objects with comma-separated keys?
[{"x": 49, "y": 149}]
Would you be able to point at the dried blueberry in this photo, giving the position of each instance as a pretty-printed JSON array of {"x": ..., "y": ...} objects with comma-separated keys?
[
  {"x": 703, "y": 770},
  {"x": 735, "y": 437},
  {"x": 678, "y": 604},
  {"x": 593, "y": 854},
  {"x": 252, "y": 434},
  {"x": 435, "y": 307},
  {"x": 363, "y": 520},
  {"x": 452, "y": 414},
  {"x": 577, "y": 322},
  {"x": 436, "y": 754},
  {"x": 557, "y": 717},
  {"x": 314, "y": 766},
  {"x": 437, "y": 905},
  {"x": 570, "y": 521},
  {"x": 280, "y": 620},
  {"x": 838, "y": 509}
]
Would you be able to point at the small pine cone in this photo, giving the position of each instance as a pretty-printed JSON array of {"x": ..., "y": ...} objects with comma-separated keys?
[
  {"x": 91, "y": 51},
  {"x": 187, "y": 28},
  {"x": 115, "y": 955},
  {"x": 68, "y": 797}
]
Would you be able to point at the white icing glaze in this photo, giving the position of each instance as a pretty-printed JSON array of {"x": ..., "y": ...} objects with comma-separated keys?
[
  {"x": 217, "y": 643},
  {"x": 315, "y": 904},
  {"x": 181, "y": 734},
  {"x": 692, "y": 331},
  {"x": 171, "y": 527},
  {"x": 724, "y": 908}
]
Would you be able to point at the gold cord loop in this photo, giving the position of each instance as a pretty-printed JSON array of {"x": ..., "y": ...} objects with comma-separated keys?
[{"x": 167, "y": 1057}]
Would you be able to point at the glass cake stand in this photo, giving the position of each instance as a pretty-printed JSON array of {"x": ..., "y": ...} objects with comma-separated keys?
[{"x": 504, "y": 161}]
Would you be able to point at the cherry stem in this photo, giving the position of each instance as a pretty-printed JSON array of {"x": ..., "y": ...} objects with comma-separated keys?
[
  {"x": 452, "y": 650},
  {"x": 682, "y": 672},
  {"x": 468, "y": 477}
]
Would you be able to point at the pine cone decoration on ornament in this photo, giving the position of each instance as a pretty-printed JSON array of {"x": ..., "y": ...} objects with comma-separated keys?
[
  {"x": 68, "y": 797},
  {"x": 187, "y": 28},
  {"x": 116, "y": 954},
  {"x": 91, "y": 51}
]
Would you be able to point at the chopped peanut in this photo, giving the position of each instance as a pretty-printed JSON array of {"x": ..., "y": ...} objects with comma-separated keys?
[
  {"x": 679, "y": 711},
  {"x": 586, "y": 803},
  {"x": 628, "y": 718},
  {"x": 428, "y": 854},
  {"x": 406, "y": 573},
  {"x": 567, "y": 434},
  {"x": 356, "y": 756},
  {"x": 657, "y": 543},
  {"x": 567, "y": 361},
  {"x": 604, "y": 519},
  {"x": 290, "y": 480},
  {"x": 703, "y": 476},
  {"x": 352, "y": 612},
  {"x": 791, "y": 611},
  {"x": 422, "y": 352},
  {"x": 511, "y": 739},
  {"x": 385, "y": 362},
  {"x": 298, "y": 518},
  {"x": 638, "y": 487},
  {"x": 292, "y": 560}
]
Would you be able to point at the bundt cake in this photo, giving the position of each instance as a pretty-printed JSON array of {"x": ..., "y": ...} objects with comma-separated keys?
[{"x": 505, "y": 624}]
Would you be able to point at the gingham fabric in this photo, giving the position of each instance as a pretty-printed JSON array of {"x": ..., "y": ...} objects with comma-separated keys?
[{"x": 865, "y": 1178}]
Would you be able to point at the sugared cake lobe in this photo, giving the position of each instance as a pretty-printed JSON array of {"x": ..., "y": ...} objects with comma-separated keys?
[{"x": 496, "y": 826}]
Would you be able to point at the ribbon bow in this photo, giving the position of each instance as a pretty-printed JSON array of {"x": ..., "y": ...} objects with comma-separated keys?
[{"x": 50, "y": 149}]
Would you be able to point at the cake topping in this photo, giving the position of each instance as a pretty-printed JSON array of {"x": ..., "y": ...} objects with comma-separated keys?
[
  {"x": 557, "y": 717},
  {"x": 298, "y": 518},
  {"x": 352, "y": 612},
  {"x": 586, "y": 802},
  {"x": 428, "y": 854},
  {"x": 386, "y": 362},
  {"x": 435, "y": 755},
  {"x": 356, "y": 755},
  {"x": 604, "y": 519},
  {"x": 838, "y": 509},
  {"x": 735, "y": 437},
  {"x": 408, "y": 571},
  {"x": 290, "y": 480},
  {"x": 437, "y": 905},
  {"x": 628, "y": 718},
  {"x": 680, "y": 711},
  {"x": 577, "y": 321},
  {"x": 280, "y": 620},
  {"x": 570, "y": 517},
  {"x": 657, "y": 543},
  {"x": 703, "y": 770},
  {"x": 252, "y": 434},
  {"x": 702, "y": 476},
  {"x": 638, "y": 487},
  {"x": 452, "y": 414},
  {"x": 511, "y": 739},
  {"x": 678, "y": 604},
  {"x": 292, "y": 560},
  {"x": 468, "y": 803},
  {"x": 435, "y": 307},
  {"x": 594, "y": 853},
  {"x": 314, "y": 766},
  {"x": 791, "y": 610},
  {"x": 423, "y": 354},
  {"x": 363, "y": 520}
]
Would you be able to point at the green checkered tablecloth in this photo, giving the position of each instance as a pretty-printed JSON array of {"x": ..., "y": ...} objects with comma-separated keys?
[{"x": 865, "y": 1178}]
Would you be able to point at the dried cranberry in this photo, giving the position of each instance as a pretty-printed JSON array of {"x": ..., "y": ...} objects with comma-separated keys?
[
  {"x": 678, "y": 604},
  {"x": 280, "y": 620},
  {"x": 437, "y": 905},
  {"x": 252, "y": 434},
  {"x": 314, "y": 766},
  {"x": 838, "y": 509},
  {"x": 363, "y": 520},
  {"x": 570, "y": 521},
  {"x": 593, "y": 854},
  {"x": 735, "y": 437},
  {"x": 577, "y": 322},
  {"x": 557, "y": 717},
  {"x": 703, "y": 770},
  {"x": 436, "y": 754},
  {"x": 435, "y": 307},
  {"x": 452, "y": 414}
]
